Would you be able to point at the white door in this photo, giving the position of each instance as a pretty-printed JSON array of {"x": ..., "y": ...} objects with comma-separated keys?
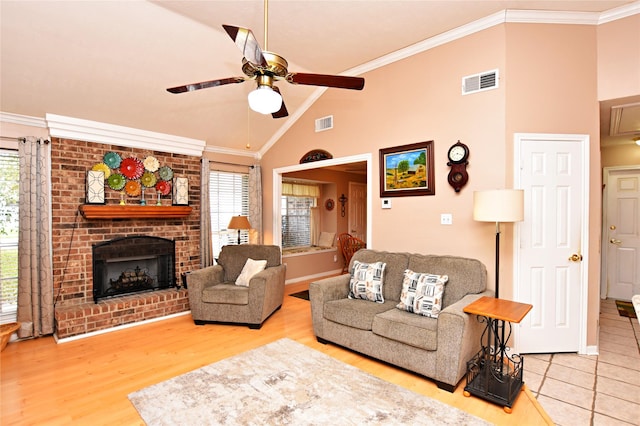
[
  {"x": 621, "y": 236},
  {"x": 550, "y": 273},
  {"x": 358, "y": 210}
]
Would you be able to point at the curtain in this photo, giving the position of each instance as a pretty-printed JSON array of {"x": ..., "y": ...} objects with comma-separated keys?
[
  {"x": 206, "y": 252},
  {"x": 255, "y": 205},
  {"x": 35, "y": 270},
  {"x": 314, "y": 225},
  {"x": 300, "y": 190}
]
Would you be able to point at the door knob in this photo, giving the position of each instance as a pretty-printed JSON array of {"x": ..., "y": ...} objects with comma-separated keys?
[
  {"x": 575, "y": 257},
  {"x": 616, "y": 242}
]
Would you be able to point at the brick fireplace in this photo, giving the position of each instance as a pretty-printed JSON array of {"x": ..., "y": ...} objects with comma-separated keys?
[{"x": 74, "y": 237}]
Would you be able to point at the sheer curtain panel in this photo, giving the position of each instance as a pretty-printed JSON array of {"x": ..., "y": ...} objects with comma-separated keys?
[{"x": 35, "y": 279}]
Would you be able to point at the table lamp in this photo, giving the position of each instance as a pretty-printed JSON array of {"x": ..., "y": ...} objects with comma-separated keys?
[
  {"x": 239, "y": 223},
  {"x": 500, "y": 205}
]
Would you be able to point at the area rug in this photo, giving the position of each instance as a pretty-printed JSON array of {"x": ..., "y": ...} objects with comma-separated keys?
[
  {"x": 287, "y": 383},
  {"x": 304, "y": 294},
  {"x": 625, "y": 309}
]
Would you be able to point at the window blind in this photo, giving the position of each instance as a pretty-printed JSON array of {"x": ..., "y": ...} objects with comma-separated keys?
[{"x": 228, "y": 197}]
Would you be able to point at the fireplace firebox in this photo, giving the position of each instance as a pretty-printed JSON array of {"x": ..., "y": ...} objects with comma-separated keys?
[{"x": 131, "y": 265}]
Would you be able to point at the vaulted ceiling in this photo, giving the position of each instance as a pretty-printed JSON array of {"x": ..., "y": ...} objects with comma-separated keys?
[{"x": 111, "y": 61}]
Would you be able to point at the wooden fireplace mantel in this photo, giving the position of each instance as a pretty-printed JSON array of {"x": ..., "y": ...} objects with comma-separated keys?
[{"x": 90, "y": 211}]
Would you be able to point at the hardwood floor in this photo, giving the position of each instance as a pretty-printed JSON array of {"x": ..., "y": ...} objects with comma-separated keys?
[{"x": 87, "y": 381}]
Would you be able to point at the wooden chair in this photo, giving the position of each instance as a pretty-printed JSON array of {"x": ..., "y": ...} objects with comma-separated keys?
[{"x": 349, "y": 245}]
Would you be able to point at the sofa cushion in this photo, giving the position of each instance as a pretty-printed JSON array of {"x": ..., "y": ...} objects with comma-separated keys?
[
  {"x": 367, "y": 280},
  {"x": 422, "y": 293},
  {"x": 356, "y": 313},
  {"x": 404, "y": 327},
  {"x": 226, "y": 293},
  {"x": 251, "y": 267}
]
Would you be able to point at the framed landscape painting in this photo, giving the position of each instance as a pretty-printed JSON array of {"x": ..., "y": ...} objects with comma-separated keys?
[{"x": 407, "y": 170}]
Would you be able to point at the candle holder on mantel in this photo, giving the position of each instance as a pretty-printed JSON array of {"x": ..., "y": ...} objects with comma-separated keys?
[
  {"x": 143, "y": 202},
  {"x": 122, "y": 201},
  {"x": 159, "y": 203}
]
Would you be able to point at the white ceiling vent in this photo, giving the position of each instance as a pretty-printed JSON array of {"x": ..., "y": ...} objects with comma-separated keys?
[
  {"x": 480, "y": 82},
  {"x": 324, "y": 123}
]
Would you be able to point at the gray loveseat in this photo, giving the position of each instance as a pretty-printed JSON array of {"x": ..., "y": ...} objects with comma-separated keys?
[{"x": 435, "y": 348}]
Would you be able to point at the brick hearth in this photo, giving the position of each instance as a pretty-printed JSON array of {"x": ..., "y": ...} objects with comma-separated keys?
[{"x": 74, "y": 236}]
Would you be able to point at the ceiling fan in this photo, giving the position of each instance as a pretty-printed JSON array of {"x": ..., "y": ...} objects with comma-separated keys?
[{"x": 265, "y": 68}]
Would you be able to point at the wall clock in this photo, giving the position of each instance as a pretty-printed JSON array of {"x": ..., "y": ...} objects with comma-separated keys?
[
  {"x": 458, "y": 155},
  {"x": 329, "y": 204}
]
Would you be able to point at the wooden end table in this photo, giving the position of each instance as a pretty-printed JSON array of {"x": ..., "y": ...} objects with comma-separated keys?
[{"x": 492, "y": 374}]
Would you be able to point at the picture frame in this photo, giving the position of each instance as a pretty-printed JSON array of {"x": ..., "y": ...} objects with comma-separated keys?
[
  {"x": 407, "y": 170},
  {"x": 95, "y": 187},
  {"x": 180, "y": 195}
]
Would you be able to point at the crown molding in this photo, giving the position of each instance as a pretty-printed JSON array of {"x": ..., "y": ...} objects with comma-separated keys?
[
  {"x": 23, "y": 120},
  {"x": 94, "y": 131},
  {"x": 231, "y": 151},
  {"x": 619, "y": 13}
]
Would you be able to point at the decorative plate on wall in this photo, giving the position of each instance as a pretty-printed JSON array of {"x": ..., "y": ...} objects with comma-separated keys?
[
  {"x": 101, "y": 167},
  {"x": 112, "y": 159},
  {"x": 165, "y": 173},
  {"x": 148, "y": 179},
  {"x": 116, "y": 181},
  {"x": 132, "y": 188},
  {"x": 131, "y": 168},
  {"x": 163, "y": 187},
  {"x": 151, "y": 163}
]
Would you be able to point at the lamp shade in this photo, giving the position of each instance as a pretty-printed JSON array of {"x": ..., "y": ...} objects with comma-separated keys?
[
  {"x": 265, "y": 100},
  {"x": 239, "y": 222},
  {"x": 500, "y": 205}
]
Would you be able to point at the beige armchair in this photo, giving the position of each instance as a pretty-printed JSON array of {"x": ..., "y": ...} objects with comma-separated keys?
[{"x": 214, "y": 296}]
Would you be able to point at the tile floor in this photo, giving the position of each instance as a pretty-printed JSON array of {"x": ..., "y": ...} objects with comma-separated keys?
[{"x": 592, "y": 390}]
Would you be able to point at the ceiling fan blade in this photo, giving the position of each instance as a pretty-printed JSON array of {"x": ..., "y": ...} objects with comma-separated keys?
[
  {"x": 205, "y": 84},
  {"x": 247, "y": 43},
  {"x": 338, "y": 81},
  {"x": 282, "y": 112}
]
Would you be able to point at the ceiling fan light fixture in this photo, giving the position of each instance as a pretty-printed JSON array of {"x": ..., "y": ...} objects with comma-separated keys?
[{"x": 265, "y": 100}]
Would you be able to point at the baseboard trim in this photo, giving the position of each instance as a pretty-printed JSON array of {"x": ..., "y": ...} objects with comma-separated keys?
[
  {"x": 116, "y": 328},
  {"x": 313, "y": 277}
]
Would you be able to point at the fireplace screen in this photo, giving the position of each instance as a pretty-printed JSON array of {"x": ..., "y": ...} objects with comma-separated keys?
[{"x": 132, "y": 265}]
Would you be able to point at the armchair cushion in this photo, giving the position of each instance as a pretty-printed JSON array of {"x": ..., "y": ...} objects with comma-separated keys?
[{"x": 226, "y": 293}]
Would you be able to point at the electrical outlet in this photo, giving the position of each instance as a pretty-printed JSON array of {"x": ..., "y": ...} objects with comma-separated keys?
[{"x": 446, "y": 219}]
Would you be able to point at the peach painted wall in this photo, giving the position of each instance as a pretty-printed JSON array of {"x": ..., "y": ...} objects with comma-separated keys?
[
  {"x": 417, "y": 99},
  {"x": 552, "y": 89},
  {"x": 619, "y": 58},
  {"x": 548, "y": 84}
]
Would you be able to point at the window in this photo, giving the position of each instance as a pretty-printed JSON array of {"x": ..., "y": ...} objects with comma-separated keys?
[
  {"x": 297, "y": 200},
  {"x": 8, "y": 235},
  {"x": 228, "y": 196}
]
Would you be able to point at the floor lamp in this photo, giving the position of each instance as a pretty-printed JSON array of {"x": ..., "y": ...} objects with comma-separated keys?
[
  {"x": 500, "y": 205},
  {"x": 239, "y": 223}
]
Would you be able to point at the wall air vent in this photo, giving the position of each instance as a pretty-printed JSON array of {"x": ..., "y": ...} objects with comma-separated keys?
[
  {"x": 480, "y": 82},
  {"x": 324, "y": 123}
]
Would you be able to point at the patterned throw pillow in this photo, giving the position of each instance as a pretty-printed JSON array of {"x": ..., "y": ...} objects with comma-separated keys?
[
  {"x": 422, "y": 293},
  {"x": 366, "y": 281}
]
